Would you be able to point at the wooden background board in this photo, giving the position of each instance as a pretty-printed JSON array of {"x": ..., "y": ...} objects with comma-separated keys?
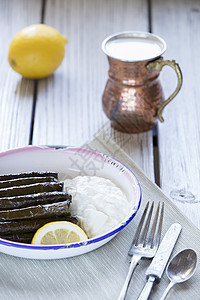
[
  {"x": 68, "y": 107},
  {"x": 178, "y": 23},
  {"x": 16, "y": 94}
]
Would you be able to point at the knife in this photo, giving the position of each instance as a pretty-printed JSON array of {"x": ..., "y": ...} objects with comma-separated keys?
[{"x": 159, "y": 262}]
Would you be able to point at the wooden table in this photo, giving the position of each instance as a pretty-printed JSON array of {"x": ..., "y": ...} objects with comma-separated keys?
[{"x": 66, "y": 108}]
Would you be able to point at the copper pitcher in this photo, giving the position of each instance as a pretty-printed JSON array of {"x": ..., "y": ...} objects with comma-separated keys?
[{"x": 133, "y": 97}]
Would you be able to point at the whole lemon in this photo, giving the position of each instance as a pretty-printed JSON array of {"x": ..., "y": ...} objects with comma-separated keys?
[{"x": 37, "y": 51}]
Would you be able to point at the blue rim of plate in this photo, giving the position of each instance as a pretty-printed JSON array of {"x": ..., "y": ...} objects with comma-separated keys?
[{"x": 5, "y": 242}]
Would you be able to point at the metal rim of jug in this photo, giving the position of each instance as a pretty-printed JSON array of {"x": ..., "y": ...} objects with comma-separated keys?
[{"x": 135, "y": 34}]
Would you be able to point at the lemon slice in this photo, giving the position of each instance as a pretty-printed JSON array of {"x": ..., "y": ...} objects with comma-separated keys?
[{"x": 59, "y": 232}]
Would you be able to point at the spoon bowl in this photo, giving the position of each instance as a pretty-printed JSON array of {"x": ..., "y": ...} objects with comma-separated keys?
[{"x": 180, "y": 268}]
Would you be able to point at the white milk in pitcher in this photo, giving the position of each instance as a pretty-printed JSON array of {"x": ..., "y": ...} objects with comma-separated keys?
[{"x": 134, "y": 48}]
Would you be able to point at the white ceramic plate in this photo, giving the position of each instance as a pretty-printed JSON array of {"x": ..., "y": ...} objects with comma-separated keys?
[{"x": 69, "y": 162}]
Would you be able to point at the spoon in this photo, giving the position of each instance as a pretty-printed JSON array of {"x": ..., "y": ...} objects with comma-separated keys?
[{"x": 180, "y": 268}]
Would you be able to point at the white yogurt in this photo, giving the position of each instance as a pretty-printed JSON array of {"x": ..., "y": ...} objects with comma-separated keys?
[{"x": 98, "y": 203}]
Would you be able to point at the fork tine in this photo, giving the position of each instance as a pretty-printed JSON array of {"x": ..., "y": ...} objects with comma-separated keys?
[
  {"x": 142, "y": 239},
  {"x": 144, "y": 248},
  {"x": 153, "y": 229},
  {"x": 135, "y": 239},
  {"x": 157, "y": 239}
]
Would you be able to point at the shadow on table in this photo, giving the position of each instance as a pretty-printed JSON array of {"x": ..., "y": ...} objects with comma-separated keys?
[{"x": 30, "y": 87}]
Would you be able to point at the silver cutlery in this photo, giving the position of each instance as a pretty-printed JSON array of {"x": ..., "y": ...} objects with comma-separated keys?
[
  {"x": 143, "y": 245},
  {"x": 180, "y": 268},
  {"x": 159, "y": 262}
]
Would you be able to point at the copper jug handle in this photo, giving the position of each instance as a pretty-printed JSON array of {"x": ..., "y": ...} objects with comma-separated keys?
[{"x": 157, "y": 65}]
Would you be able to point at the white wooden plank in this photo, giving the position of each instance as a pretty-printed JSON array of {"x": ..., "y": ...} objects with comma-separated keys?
[
  {"x": 178, "y": 22},
  {"x": 69, "y": 109},
  {"x": 138, "y": 146},
  {"x": 16, "y": 94}
]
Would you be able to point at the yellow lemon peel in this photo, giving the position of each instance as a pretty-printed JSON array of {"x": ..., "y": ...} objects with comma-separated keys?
[{"x": 37, "y": 51}]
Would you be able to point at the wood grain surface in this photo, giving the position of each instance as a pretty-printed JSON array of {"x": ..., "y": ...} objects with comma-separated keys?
[
  {"x": 16, "y": 93},
  {"x": 66, "y": 108},
  {"x": 178, "y": 136},
  {"x": 69, "y": 107}
]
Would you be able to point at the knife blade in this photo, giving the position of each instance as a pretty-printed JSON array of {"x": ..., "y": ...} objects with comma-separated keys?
[{"x": 159, "y": 262}]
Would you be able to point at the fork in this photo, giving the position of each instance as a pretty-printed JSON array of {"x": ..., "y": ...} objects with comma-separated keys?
[{"x": 143, "y": 246}]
